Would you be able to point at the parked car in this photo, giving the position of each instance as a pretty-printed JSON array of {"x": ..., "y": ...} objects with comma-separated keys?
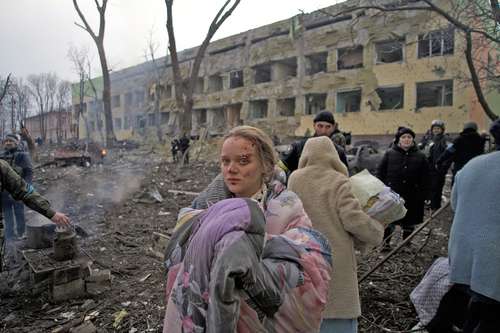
[{"x": 364, "y": 156}]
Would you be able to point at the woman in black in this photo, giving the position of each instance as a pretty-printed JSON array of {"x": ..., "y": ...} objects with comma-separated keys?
[{"x": 405, "y": 170}]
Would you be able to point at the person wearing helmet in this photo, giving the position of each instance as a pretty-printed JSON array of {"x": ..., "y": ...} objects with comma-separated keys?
[{"x": 433, "y": 146}]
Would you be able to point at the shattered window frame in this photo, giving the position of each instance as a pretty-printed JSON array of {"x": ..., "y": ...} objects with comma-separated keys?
[
  {"x": 348, "y": 107},
  {"x": 319, "y": 104},
  {"x": 236, "y": 79},
  {"x": 267, "y": 69},
  {"x": 215, "y": 83},
  {"x": 115, "y": 101},
  {"x": 199, "y": 87},
  {"x": 436, "y": 43},
  {"x": 260, "y": 113},
  {"x": 283, "y": 106},
  {"x": 385, "y": 105},
  {"x": 345, "y": 51},
  {"x": 164, "y": 117},
  {"x": 317, "y": 63},
  {"x": 401, "y": 42},
  {"x": 443, "y": 90}
]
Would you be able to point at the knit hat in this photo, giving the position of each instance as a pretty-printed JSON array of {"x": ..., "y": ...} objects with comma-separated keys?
[
  {"x": 495, "y": 130},
  {"x": 401, "y": 131},
  {"x": 14, "y": 137},
  {"x": 470, "y": 126},
  {"x": 325, "y": 116}
]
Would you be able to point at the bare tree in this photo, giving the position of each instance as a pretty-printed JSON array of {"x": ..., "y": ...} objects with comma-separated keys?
[
  {"x": 157, "y": 72},
  {"x": 476, "y": 20},
  {"x": 63, "y": 97},
  {"x": 5, "y": 88},
  {"x": 184, "y": 87},
  {"x": 99, "y": 42},
  {"x": 43, "y": 87}
]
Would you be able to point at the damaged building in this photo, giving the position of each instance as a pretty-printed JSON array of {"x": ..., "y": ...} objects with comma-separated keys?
[{"x": 374, "y": 71}]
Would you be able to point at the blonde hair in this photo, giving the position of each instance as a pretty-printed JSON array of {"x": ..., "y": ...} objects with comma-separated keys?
[{"x": 263, "y": 145}]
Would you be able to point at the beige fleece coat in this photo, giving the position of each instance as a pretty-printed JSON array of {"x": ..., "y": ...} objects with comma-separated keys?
[{"x": 321, "y": 182}]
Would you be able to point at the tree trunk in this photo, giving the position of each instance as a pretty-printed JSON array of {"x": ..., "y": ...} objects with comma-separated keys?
[{"x": 106, "y": 96}]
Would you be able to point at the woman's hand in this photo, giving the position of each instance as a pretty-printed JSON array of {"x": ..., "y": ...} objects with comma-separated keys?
[{"x": 60, "y": 219}]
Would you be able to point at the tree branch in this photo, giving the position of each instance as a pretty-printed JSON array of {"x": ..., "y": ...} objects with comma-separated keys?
[
  {"x": 475, "y": 78},
  {"x": 85, "y": 23},
  {"x": 5, "y": 87},
  {"x": 174, "y": 59}
]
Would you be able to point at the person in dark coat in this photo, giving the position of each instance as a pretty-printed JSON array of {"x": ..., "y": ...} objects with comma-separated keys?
[
  {"x": 174, "y": 148},
  {"x": 465, "y": 147},
  {"x": 184, "y": 146},
  {"x": 405, "y": 170},
  {"x": 13, "y": 210},
  {"x": 324, "y": 125},
  {"x": 433, "y": 146}
]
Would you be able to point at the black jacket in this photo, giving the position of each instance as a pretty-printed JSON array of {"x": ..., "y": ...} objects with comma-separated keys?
[
  {"x": 465, "y": 147},
  {"x": 291, "y": 158},
  {"x": 407, "y": 173}
]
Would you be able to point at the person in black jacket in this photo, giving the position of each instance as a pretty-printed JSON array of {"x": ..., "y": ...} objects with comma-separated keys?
[
  {"x": 324, "y": 125},
  {"x": 465, "y": 147},
  {"x": 405, "y": 170},
  {"x": 433, "y": 146}
]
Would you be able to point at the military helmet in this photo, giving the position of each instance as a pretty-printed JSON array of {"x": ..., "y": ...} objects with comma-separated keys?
[{"x": 438, "y": 123}]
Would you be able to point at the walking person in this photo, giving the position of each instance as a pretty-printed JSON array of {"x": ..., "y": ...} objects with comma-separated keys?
[
  {"x": 474, "y": 237},
  {"x": 13, "y": 210},
  {"x": 405, "y": 170},
  {"x": 322, "y": 183}
]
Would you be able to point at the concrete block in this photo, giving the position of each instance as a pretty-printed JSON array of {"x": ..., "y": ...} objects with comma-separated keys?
[
  {"x": 67, "y": 274},
  {"x": 97, "y": 275},
  {"x": 66, "y": 291},
  {"x": 86, "y": 327}
]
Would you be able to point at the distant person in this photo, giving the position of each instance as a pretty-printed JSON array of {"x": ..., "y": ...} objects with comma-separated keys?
[
  {"x": 473, "y": 247},
  {"x": 433, "y": 145},
  {"x": 465, "y": 147},
  {"x": 13, "y": 210},
  {"x": 405, "y": 170},
  {"x": 183, "y": 147},
  {"x": 174, "y": 148},
  {"x": 324, "y": 125}
]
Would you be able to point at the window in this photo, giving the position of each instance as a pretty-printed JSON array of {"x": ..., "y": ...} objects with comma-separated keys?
[
  {"x": 168, "y": 91},
  {"x": 284, "y": 69},
  {"x": 315, "y": 103},
  {"x": 389, "y": 51},
  {"x": 92, "y": 126},
  {"x": 391, "y": 98},
  {"x": 115, "y": 101},
  {"x": 350, "y": 57},
  {"x": 140, "y": 121},
  {"x": 199, "y": 86},
  {"x": 436, "y": 93},
  {"x": 349, "y": 101},
  {"x": 215, "y": 83},
  {"x": 202, "y": 116},
  {"x": 316, "y": 63},
  {"x": 258, "y": 109},
  {"x": 164, "y": 117},
  {"x": 139, "y": 98},
  {"x": 286, "y": 107},
  {"x": 235, "y": 79},
  {"x": 126, "y": 123},
  {"x": 151, "y": 119},
  {"x": 436, "y": 43},
  {"x": 118, "y": 123},
  {"x": 129, "y": 98},
  {"x": 262, "y": 73}
]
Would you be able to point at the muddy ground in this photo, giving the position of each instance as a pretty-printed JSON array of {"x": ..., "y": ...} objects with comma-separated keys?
[{"x": 112, "y": 201}]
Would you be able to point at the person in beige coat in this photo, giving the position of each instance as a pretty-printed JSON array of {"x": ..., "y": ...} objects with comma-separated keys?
[{"x": 321, "y": 182}]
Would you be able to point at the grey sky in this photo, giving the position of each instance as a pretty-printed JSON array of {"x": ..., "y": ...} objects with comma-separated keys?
[{"x": 35, "y": 35}]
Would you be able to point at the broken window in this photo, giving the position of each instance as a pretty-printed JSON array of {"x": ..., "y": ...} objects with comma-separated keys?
[
  {"x": 315, "y": 103},
  {"x": 284, "y": 69},
  {"x": 262, "y": 73},
  {"x": 126, "y": 123},
  {"x": 199, "y": 86},
  {"x": 215, "y": 83},
  {"x": 164, "y": 117},
  {"x": 140, "y": 121},
  {"x": 235, "y": 79},
  {"x": 350, "y": 57},
  {"x": 258, "y": 109},
  {"x": 286, "y": 107},
  {"x": 118, "y": 123},
  {"x": 349, "y": 101},
  {"x": 115, "y": 101},
  {"x": 391, "y": 98},
  {"x": 316, "y": 63},
  {"x": 233, "y": 114},
  {"x": 139, "y": 98},
  {"x": 436, "y": 43},
  {"x": 200, "y": 116},
  {"x": 151, "y": 119},
  {"x": 168, "y": 91},
  {"x": 435, "y": 93},
  {"x": 389, "y": 51},
  {"x": 129, "y": 99}
]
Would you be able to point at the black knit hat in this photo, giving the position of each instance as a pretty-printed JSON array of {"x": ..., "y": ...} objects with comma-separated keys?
[
  {"x": 325, "y": 116},
  {"x": 403, "y": 130}
]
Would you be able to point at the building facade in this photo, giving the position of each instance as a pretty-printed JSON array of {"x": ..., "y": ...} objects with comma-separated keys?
[
  {"x": 57, "y": 126},
  {"x": 375, "y": 72}
]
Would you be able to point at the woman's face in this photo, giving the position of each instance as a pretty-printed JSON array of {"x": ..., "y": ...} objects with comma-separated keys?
[
  {"x": 406, "y": 141},
  {"x": 241, "y": 167}
]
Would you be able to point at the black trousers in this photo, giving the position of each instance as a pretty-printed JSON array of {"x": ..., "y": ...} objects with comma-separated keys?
[
  {"x": 437, "y": 190},
  {"x": 483, "y": 315}
]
